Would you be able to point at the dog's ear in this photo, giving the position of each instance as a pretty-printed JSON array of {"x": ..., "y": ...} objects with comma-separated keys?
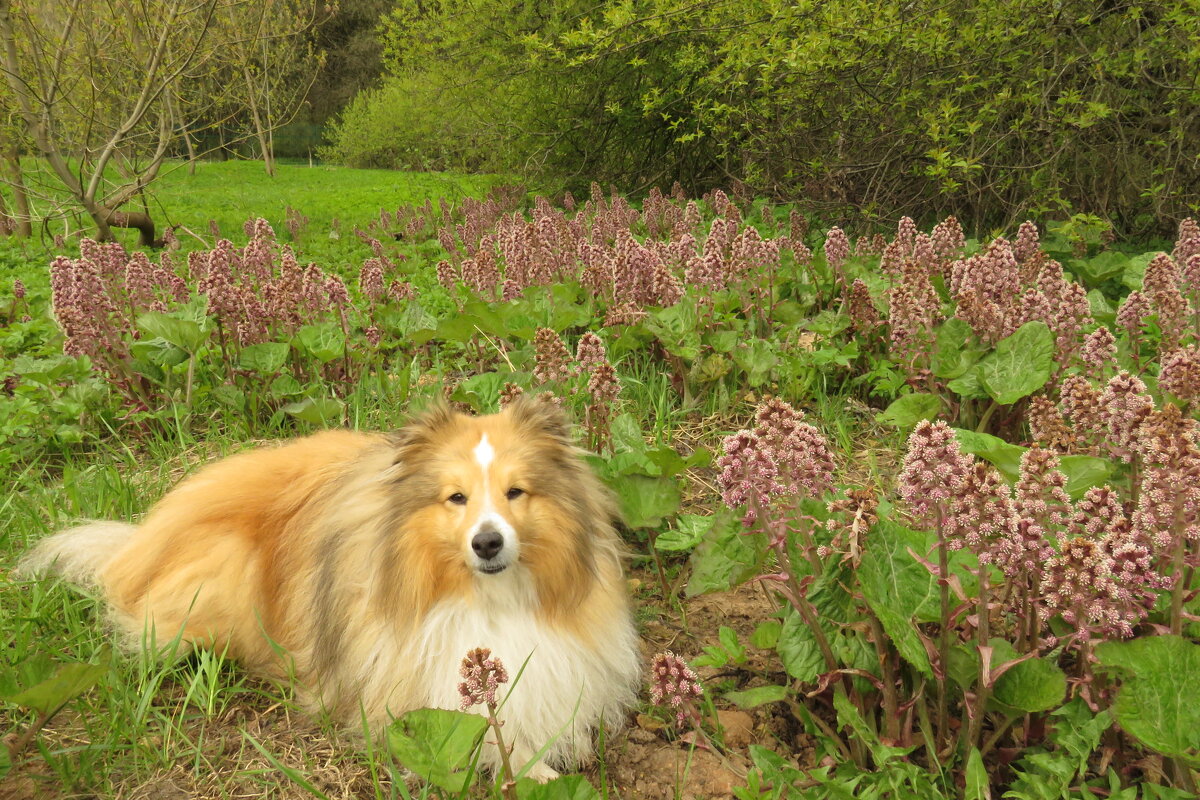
[
  {"x": 541, "y": 416},
  {"x": 422, "y": 428}
]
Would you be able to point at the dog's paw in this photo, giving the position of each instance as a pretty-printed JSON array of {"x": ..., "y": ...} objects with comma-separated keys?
[{"x": 541, "y": 773}]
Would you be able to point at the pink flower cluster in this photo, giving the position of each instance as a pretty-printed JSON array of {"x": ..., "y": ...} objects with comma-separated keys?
[
  {"x": 482, "y": 676},
  {"x": 1087, "y": 562},
  {"x": 1102, "y": 577},
  {"x": 98, "y": 297},
  {"x": 783, "y": 456},
  {"x": 674, "y": 685},
  {"x": 554, "y": 364},
  {"x": 629, "y": 259},
  {"x": 255, "y": 293},
  {"x": 997, "y": 292},
  {"x": 261, "y": 291},
  {"x": 934, "y": 468}
]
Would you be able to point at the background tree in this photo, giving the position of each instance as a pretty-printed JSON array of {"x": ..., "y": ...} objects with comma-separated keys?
[
  {"x": 349, "y": 38},
  {"x": 105, "y": 87},
  {"x": 273, "y": 65},
  {"x": 18, "y": 219}
]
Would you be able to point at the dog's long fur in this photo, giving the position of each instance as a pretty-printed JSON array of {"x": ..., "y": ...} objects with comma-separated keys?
[{"x": 352, "y": 554}]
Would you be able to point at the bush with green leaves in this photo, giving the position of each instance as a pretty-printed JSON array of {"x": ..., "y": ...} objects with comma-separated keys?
[{"x": 992, "y": 110}]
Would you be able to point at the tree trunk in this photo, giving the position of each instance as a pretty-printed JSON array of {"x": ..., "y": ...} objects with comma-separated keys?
[
  {"x": 108, "y": 218},
  {"x": 23, "y": 219},
  {"x": 260, "y": 130},
  {"x": 4, "y": 218},
  {"x": 182, "y": 124}
]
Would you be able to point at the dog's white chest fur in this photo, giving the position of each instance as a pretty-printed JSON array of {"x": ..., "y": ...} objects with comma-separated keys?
[{"x": 559, "y": 689}]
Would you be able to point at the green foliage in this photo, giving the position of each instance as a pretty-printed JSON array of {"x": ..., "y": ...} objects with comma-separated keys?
[
  {"x": 851, "y": 654},
  {"x": 724, "y": 558},
  {"x": 1014, "y": 107},
  {"x": 1020, "y": 364},
  {"x": 46, "y": 687},
  {"x": 409, "y": 123},
  {"x": 438, "y": 745},
  {"x": 1156, "y": 703}
]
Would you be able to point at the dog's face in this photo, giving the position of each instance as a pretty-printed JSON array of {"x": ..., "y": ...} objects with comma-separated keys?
[
  {"x": 484, "y": 503},
  {"x": 479, "y": 495}
]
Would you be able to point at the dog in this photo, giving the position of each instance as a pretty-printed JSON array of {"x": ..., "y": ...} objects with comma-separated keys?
[{"x": 366, "y": 566}]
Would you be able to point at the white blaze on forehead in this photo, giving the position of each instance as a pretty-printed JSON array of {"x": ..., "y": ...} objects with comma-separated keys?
[{"x": 484, "y": 454}]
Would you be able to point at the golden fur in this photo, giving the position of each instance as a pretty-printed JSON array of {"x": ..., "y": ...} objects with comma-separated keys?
[{"x": 351, "y": 554}]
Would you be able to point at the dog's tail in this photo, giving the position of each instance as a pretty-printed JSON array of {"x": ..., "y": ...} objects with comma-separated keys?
[{"x": 78, "y": 554}]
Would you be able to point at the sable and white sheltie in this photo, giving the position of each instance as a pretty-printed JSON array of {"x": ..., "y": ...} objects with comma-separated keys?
[{"x": 375, "y": 562}]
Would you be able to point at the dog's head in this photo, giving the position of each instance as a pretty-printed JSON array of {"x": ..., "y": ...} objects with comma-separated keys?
[{"x": 481, "y": 499}]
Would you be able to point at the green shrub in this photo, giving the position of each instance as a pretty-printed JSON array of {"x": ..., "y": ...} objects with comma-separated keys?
[
  {"x": 407, "y": 123},
  {"x": 992, "y": 110}
]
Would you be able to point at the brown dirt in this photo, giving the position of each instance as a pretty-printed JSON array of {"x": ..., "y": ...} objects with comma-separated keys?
[{"x": 650, "y": 760}]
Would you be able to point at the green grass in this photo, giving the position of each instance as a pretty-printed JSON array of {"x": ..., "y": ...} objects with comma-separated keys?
[{"x": 231, "y": 192}]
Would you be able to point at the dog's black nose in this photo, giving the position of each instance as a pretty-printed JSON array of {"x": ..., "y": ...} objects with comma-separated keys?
[{"x": 487, "y": 544}]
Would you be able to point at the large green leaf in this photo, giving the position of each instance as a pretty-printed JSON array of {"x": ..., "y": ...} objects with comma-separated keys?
[
  {"x": 265, "y": 358},
  {"x": 409, "y": 322},
  {"x": 951, "y": 354},
  {"x": 437, "y": 745},
  {"x": 1100, "y": 268},
  {"x": 317, "y": 410},
  {"x": 759, "y": 695},
  {"x": 46, "y": 371},
  {"x": 1102, "y": 308},
  {"x": 757, "y": 358},
  {"x": 184, "y": 333},
  {"x": 1002, "y": 455},
  {"x": 724, "y": 558},
  {"x": 46, "y": 687},
  {"x": 627, "y": 433},
  {"x": 898, "y": 588},
  {"x": 568, "y": 787},
  {"x": 1020, "y": 364},
  {"x": 978, "y": 785},
  {"x": 1156, "y": 703},
  {"x": 645, "y": 500},
  {"x": 1135, "y": 270},
  {"x": 158, "y": 351},
  {"x": 828, "y": 323},
  {"x": 689, "y": 530},
  {"x": 481, "y": 392},
  {"x": 1084, "y": 472},
  {"x": 1035, "y": 684},
  {"x": 968, "y": 385},
  {"x": 798, "y": 649},
  {"x": 675, "y": 327},
  {"x": 848, "y": 716},
  {"x": 907, "y": 411},
  {"x": 323, "y": 342},
  {"x": 285, "y": 386}
]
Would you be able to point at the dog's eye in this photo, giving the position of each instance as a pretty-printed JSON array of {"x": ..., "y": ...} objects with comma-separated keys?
[
  {"x": 514, "y": 493},
  {"x": 458, "y": 498}
]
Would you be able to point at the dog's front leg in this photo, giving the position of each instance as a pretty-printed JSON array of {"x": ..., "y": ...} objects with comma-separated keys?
[{"x": 538, "y": 770}]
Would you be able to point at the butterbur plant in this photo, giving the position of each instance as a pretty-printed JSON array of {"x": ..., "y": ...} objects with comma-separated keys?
[
  {"x": 675, "y": 687},
  {"x": 1023, "y": 583},
  {"x": 482, "y": 676},
  {"x": 251, "y": 324},
  {"x": 586, "y": 377}
]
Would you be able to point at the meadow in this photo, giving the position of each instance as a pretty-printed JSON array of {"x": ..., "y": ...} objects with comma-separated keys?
[{"x": 917, "y": 508}]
